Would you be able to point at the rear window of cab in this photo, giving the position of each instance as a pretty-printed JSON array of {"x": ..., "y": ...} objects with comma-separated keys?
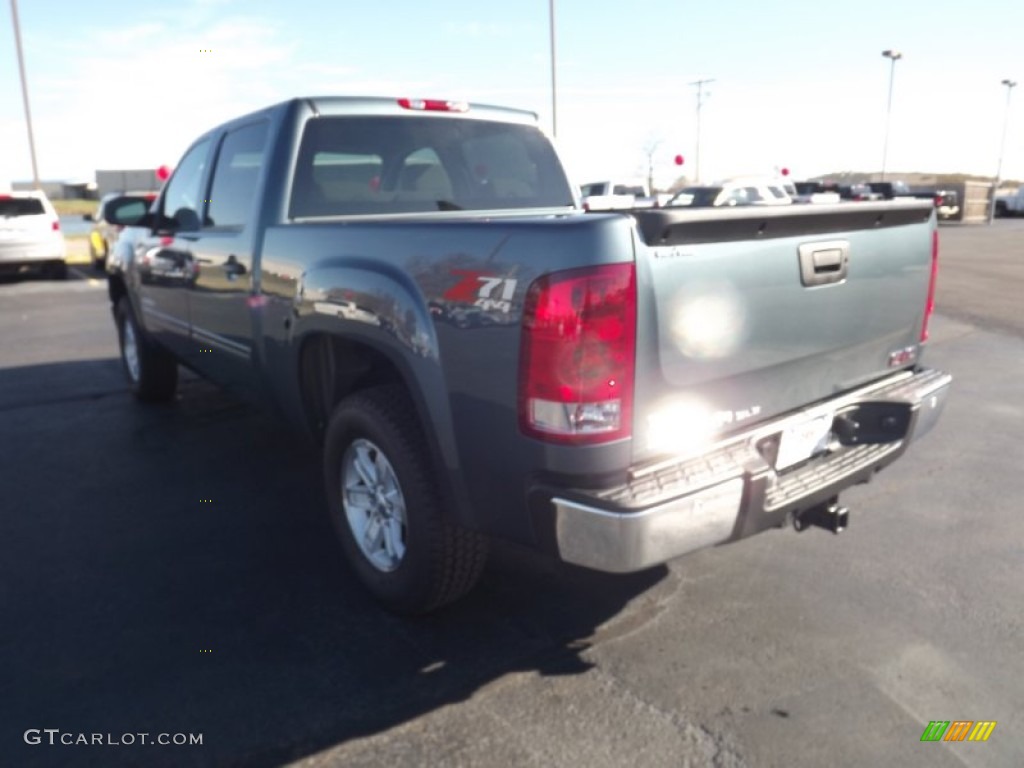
[{"x": 384, "y": 165}]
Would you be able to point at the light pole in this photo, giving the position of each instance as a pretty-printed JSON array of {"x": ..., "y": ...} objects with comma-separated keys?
[
  {"x": 1010, "y": 85},
  {"x": 700, "y": 102},
  {"x": 24, "y": 95},
  {"x": 554, "y": 100},
  {"x": 893, "y": 57}
]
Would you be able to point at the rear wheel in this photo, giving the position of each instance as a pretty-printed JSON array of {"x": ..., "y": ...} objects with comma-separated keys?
[
  {"x": 98, "y": 255},
  {"x": 57, "y": 270},
  {"x": 386, "y": 508},
  {"x": 152, "y": 372}
]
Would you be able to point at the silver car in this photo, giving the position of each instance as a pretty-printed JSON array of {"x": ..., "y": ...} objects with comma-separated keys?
[{"x": 30, "y": 236}]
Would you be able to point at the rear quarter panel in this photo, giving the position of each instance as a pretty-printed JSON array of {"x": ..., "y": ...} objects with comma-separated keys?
[{"x": 406, "y": 286}]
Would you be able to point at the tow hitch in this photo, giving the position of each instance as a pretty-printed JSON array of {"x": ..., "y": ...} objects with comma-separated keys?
[{"x": 829, "y": 516}]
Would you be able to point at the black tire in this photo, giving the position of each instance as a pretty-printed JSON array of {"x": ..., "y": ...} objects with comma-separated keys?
[
  {"x": 441, "y": 561},
  {"x": 154, "y": 376},
  {"x": 99, "y": 260},
  {"x": 57, "y": 270}
]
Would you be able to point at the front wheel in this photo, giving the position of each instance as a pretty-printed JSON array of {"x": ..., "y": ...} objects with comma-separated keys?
[
  {"x": 386, "y": 507},
  {"x": 152, "y": 372}
]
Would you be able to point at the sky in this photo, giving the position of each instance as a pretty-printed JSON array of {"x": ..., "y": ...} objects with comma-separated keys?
[{"x": 797, "y": 85}]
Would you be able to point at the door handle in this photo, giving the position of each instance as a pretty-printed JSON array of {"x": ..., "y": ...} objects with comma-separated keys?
[{"x": 823, "y": 263}]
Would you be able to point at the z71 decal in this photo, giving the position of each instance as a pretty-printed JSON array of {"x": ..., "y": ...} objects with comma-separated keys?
[{"x": 482, "y": 290}]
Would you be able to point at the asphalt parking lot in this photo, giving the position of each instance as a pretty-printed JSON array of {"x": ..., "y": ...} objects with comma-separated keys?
[{"x": 170, "y": 570}]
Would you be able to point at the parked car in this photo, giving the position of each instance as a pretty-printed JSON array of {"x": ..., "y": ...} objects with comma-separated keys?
[
  {"x": 662, "y": 380},
  {"x": 1010, "y": 203},
  {"x": 30, "y": 235},
  {"x": 732, "y": 192},
  {"x": 616, "y": 195},
  {"x": 858, "y": 192},
  {"x": 815, "y": 192},
  {"x": 947, "y": 203},
  {"x": 104, "y": 234},
  {"x": 889, "y": 190}
]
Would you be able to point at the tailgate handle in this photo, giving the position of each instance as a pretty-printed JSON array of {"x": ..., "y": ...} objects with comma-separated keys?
[{"x": 823, "y": 263}]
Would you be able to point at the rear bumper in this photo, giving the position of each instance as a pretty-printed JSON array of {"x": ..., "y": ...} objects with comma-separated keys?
[
  {"x": 732, "y": 491},
  {"x": 14, "y": 255}
]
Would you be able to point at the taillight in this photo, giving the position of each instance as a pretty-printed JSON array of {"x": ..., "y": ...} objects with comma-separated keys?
[
  {"x": 434, "y": 105},
  {"x": 929, "y": 306},
  {"x": 578, "y": 353},
  {"x": 55, "y": 225}
]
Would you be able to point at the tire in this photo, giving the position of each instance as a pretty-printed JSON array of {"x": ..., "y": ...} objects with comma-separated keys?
[
  {"x": 390, "y": 524},
  {"x": 99, "y": 258},
  {"x": 57, "y": 270},
  {"x": 152, "y": 372}
]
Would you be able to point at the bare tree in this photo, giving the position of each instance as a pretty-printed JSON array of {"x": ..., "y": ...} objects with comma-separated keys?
[{"x": 650, "y": 149}]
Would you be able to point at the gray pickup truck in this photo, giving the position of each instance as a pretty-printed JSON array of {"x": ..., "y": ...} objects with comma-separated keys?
[{"x": 414, "y": 285}]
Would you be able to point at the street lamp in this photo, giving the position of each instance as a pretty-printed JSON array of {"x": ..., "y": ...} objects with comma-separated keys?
[
  {"x": 24, "y": 95},
  {"x": 554, "y": 99},
  {"x": 700, "y": 103},
  {"x": 1010, "y": 85},
  {"x": 893, "y": 56}
]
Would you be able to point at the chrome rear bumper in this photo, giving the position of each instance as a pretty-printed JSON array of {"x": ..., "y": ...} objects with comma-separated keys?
[{"x": 732, "y": 491}]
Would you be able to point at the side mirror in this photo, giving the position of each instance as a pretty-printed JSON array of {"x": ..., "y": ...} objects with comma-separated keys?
[{"x": 128, "y": 211}]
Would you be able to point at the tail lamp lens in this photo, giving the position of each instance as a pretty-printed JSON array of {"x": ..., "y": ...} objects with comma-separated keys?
[{"x": 578, "y": 355}]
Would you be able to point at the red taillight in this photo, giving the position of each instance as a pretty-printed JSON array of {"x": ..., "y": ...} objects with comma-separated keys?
[
  {"x": 55, "y": 225},
  {"x": 929, "y": 306},
  {"x": 434, "y": 105},
  {"x": 578, "y": 355},
  {"x": 938, "y": 200}
]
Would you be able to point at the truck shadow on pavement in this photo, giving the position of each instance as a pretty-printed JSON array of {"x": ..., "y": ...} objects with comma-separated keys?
[{"x": 171, "y": 570}]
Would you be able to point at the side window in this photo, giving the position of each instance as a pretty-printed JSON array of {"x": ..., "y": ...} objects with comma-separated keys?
[
  {"x": 183, "y": 197},
  {"x": 736, "y": 196},
  {"x": 242, "y": 154}
]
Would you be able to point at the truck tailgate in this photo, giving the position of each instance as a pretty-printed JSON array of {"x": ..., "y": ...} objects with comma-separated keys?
[{"x": 745, "y": 314}]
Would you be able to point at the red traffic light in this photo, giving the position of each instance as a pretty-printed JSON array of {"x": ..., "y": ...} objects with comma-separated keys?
[
  {"x": 163, "y": 173},
  {"x": 679, "y": 159}
]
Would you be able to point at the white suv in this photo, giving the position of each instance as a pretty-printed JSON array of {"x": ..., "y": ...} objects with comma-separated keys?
[
  {"x": 737, "y": 191},
  {"x": 30, "y": 236}
]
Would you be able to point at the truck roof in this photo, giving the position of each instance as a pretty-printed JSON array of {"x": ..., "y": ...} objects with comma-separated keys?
[{"x": 391, "y": 105}]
